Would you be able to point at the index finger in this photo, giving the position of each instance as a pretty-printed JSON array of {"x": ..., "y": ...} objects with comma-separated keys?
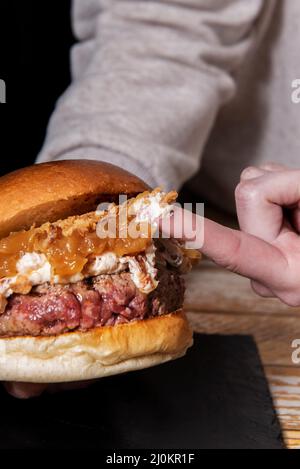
[{"x": 238, "y": 252}]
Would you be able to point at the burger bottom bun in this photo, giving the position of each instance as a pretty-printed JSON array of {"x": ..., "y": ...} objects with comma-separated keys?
[{"x": 100, "y": 352}]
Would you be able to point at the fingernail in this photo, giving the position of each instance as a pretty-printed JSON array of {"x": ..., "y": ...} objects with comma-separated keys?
[
  {"x": 251, "y": 173},
  {"x": 273, "y": 167}
]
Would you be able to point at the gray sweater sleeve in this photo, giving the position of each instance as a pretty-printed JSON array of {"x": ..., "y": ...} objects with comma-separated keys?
[{"x": 149, "y": 77}]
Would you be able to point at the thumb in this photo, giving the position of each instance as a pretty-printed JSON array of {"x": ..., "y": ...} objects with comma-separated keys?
[{"x": 24, "y": 390}]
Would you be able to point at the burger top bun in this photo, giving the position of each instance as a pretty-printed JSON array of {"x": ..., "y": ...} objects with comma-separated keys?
[
  {"x": 52, "y": 191},
  {"x": 97, "y": 353}
]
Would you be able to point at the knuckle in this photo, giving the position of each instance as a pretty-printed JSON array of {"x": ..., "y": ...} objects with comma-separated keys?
[
  {"x": 248, "y": 172},
  {"x": 226, "y": 263},
  {"x": 232, "y": 267},
  {"x": 261, "y": 290},
  {"x": 231, "y": 261},
  {"x": 290, "y": 299},
  {"x": 246, "y": 192}
]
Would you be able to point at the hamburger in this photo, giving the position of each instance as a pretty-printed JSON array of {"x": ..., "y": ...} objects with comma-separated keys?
[{"x": 77, "y": 303}]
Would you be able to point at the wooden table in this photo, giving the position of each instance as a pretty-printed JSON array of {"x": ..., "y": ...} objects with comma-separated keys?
[{"x": 219, "y": 302}]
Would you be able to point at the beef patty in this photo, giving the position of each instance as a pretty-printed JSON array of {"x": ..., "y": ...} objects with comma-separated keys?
[{"x": 105, "y": 300}]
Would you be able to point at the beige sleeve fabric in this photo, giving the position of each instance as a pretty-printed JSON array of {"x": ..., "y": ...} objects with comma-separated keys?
[{"x": 149, "y": 78}]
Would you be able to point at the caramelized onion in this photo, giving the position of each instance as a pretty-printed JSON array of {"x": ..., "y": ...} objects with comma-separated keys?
[{"x": 67, "y": 254}]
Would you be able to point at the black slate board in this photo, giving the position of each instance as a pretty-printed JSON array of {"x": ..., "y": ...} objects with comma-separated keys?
[{"x": 215, "y": 397}]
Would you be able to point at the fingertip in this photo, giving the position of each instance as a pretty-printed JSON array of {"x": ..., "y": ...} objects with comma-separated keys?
[
  {"x": 251, "y": 173},
  {"x": 24, "y": 390}
]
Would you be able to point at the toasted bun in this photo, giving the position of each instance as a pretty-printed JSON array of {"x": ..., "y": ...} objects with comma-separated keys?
[
  {"x": 98, "y": 353},
  {"x": 52, "y": 191}
]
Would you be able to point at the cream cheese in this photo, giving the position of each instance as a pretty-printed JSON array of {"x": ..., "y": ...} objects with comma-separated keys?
[
  {"x": 143, "y": 271},
  {"x": 34, "y": 269},
  {"x": 108, "y": 263},
  {"x": 5, "y": 286},
  {"x": 151, "y": 208}
]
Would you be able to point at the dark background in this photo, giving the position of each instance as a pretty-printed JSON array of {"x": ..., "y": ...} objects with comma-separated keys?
[
  {"x": 215, "y": 397},
  {"x": 35, "y": 41}
]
